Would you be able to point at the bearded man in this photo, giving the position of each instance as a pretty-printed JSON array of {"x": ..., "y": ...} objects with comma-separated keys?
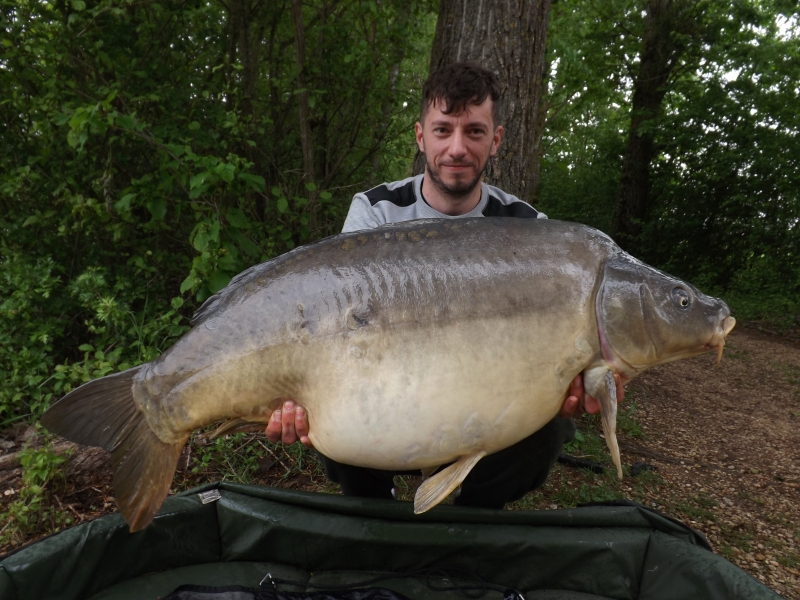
[{"x": 458, "y": 132}]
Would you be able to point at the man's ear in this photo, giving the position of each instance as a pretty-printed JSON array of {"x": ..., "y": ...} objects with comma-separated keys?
[
  {"x": 418, "y": 133},
  {"x": 498, "y": 134}
]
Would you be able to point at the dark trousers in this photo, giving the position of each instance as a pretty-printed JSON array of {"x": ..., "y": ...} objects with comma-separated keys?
[{"x": 497, "y": 479}]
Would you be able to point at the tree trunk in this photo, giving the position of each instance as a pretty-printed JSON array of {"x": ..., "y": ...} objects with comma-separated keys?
[
  {"x": 660, "y": 51},
  {"x": 302, "y": 94},
  {"x": 247, "y": 24},
  {"x": 509, "y": 39},
  {"x": 537, "y": 147}
]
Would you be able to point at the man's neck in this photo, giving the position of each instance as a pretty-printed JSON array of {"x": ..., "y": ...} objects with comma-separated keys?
[{"x": 449, "y": 204}]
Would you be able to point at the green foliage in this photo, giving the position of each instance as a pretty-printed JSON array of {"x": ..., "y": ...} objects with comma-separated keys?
[
  {"x": 31, "y": 512},
  {"x": 724, "y": 182},
  {"x": 151, "y": 151}
]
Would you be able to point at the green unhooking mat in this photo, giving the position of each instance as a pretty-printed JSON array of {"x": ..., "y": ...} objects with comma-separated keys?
[{"x": 303, "y": 542}]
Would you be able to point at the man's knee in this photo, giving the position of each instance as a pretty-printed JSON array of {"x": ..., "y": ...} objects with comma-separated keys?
[{"x": 359, "y": 481}]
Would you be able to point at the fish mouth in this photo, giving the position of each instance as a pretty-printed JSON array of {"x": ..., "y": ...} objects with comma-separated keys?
[{"x": 718, "y": 339}]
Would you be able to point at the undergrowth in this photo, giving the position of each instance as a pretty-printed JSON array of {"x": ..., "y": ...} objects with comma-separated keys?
[{"x": 33, "y": 512}]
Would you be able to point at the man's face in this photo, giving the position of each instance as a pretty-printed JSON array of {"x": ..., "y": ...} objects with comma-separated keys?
[{"x": 458, "y": 146}]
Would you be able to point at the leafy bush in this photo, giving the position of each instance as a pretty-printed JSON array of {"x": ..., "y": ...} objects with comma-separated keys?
[{"x": 150, "y": 153}]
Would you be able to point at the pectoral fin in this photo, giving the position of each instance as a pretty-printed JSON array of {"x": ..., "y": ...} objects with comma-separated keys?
[
  {"x": 599, "y": 383},
  {"x": 438, "y": 487}
]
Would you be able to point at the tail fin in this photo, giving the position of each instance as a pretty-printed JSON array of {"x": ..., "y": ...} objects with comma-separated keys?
[{"x": 103, "y": 413}]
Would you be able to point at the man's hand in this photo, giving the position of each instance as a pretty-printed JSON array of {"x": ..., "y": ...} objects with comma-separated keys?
[
  {"x": 289, "y": 424},
  {"x": 579, "y": 402}
]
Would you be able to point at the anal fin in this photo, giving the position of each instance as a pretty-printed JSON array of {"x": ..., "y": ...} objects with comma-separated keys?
[{"x": 438, "y": 487}]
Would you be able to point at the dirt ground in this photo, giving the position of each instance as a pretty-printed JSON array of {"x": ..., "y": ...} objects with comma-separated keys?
[
  {"x": 723, "y": 445},
  {"x": 730, "y": 438}
]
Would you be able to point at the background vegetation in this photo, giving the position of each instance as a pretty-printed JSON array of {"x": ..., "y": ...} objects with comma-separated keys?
[{"x": 152, "y": 150}]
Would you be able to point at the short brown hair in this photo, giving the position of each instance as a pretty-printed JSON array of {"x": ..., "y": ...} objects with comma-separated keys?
[{"x": 460, "y": 84}]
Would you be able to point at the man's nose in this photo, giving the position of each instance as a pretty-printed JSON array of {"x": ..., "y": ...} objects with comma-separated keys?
[{"x": 458, "y": 146}]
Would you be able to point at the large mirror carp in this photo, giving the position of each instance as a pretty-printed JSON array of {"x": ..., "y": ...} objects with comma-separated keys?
[{"x": 411, "y": 346}]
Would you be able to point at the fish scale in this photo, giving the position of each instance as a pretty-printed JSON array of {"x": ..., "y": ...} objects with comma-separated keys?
[{"x": 410, "y": 346}]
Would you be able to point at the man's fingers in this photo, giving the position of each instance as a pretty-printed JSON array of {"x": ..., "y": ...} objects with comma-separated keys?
[
  {"x": 289, "y": 424},
  {"x": 301, "y": 426},
  {"x": 569, "y": 407},
  {"x": 274, "y": 429},
  {"x": 301, "y": 421},
  {"x": 289, "y": 435},
  {"x": 590, "y": 405},
  {"x": 576, "y": 387}
]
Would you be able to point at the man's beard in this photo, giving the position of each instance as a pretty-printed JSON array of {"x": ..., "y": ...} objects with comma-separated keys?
[{"x": 459, "y": 188}]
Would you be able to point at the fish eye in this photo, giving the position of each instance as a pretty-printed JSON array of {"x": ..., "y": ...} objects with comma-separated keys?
[{"x": 680, "y": 297}]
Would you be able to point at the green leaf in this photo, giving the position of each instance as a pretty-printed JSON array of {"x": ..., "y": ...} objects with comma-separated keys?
[
  {"x": 193, "y": 126},
  {"x": 123, "y": 205},
  {"x": 282, "y": 205},
  {"x": 200, "y": 241},
  {"x": 213, "y": 232},
  {"x": 175, "y": 149},
  {"x": 176, "y": 302},
  {"x": 197, "y": 180},
  {"x": 218, "y": 280},
  {"x": 86, "y": 348},
  {"x": 226, "y": 171},
  {"x": 237, "y": 218},
  {"x": 189, "y": 283},
  {"x": 157, "y": 208},
  {"x": 256, "y": 182},
  {"x": 311, "y": 186},
  {"x": 78, "y": 5},
  {"x": 125, "y": 121},
  {"x": 247, "y": 245}
]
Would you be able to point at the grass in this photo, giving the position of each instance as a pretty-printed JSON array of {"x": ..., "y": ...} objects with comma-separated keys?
[
  {"x": 745, "y": 495},
  {"x": 790, "y": 559},
  {"x": 735, "y": 354},
  {"x": 737, "y": 537},
  {"x": 693, "y": 511},
  {"x": 31, "y": 512},
  {"x": 246, "y": 458},
  {"x": 792, "y": 373}
]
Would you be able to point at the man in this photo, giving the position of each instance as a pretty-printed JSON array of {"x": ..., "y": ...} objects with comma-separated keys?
[{"x": 458, "y": 132}]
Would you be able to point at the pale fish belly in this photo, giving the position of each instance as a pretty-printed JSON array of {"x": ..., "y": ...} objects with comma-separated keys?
[{"x": 410, "y": 398}]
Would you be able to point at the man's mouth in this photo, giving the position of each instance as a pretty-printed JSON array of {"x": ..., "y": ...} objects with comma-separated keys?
[{"x": 458, "y": 166}]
